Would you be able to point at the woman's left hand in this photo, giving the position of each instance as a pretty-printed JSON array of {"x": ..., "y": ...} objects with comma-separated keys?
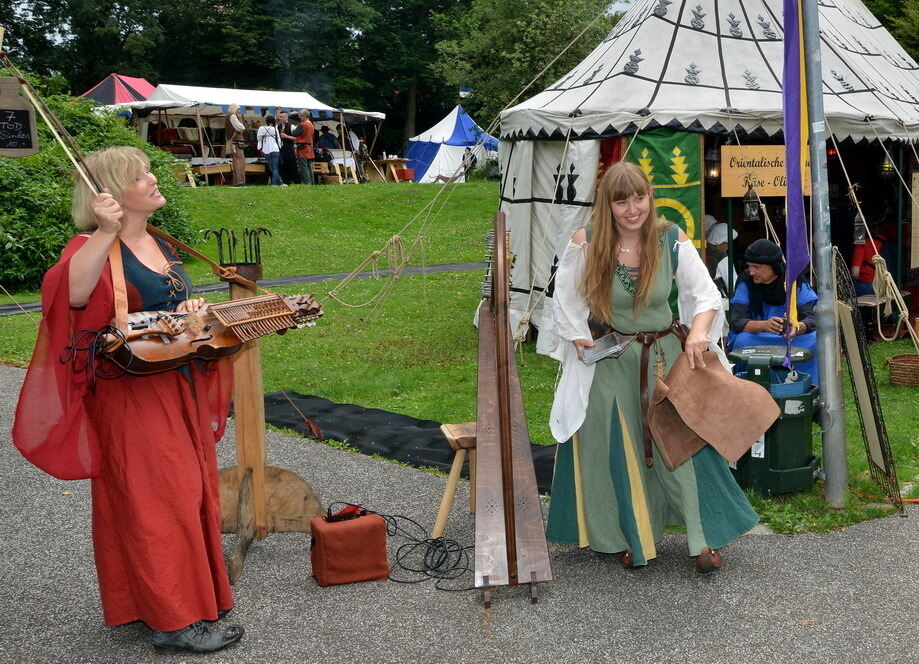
[
  {"x": 696, "y": 344},
  {"x": 192, "y": 305}
]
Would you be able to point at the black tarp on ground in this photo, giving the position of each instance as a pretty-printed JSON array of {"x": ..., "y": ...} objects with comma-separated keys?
[{"x": 372, "y": 431}]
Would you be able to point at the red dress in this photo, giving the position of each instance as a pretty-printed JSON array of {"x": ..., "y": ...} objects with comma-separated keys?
[{"x": 148, "y": 442}]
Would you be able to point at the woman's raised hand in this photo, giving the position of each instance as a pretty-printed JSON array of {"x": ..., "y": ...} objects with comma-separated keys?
[{"x": 108, "y": 213}]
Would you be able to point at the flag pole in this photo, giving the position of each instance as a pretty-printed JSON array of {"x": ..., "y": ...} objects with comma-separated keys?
[{"x": 832, "y": 416}]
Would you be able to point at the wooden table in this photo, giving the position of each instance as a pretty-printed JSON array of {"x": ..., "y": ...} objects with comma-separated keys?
[
  {"x": 227, "y": 168},
  {"x": 387, "y": 167}
]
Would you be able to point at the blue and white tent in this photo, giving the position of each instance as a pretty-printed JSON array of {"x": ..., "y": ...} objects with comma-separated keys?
[{"x": 439, "y": 150}]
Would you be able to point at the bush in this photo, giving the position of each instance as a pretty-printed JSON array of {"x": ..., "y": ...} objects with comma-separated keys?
[
  {"x": 35, "y": 192},
  {"x": 489, "y": 169}
]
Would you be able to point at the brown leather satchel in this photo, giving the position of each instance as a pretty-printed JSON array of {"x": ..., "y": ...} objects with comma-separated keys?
[{"x": 692, "y": 407}]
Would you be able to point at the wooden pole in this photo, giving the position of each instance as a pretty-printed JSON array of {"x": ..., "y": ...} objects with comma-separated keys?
[
  {"x": 249, "y": 413},
  {"x": 201, "y": 149}
]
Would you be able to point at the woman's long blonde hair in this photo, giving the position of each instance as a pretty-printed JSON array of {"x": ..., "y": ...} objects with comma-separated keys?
[
  {"x": 620, "y": 181},
  {"x": 115, "y": 168}
]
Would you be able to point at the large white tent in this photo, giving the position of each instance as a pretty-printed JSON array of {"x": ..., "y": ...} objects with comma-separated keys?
[
  {"x": 439, "y": 150},
  {"x": 193, "y": 99},
  {"x": 700, "y": 65}
]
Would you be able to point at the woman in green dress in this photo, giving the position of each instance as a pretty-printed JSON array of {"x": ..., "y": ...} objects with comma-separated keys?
[{"x": 611, "y": 491}]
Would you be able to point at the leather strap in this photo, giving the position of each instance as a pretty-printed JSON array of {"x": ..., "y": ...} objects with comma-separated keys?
[
  {"x": 118, "y": 285},
  {"x": 647, "y": 339},
  {"x": 226, "y": 273}
]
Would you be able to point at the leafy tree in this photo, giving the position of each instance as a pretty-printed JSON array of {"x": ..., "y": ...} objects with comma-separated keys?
[
  {"x": 901, "y": 18},
  {"x": 35, "y": 192},
  {"x": 398, "y": 54},
  {"x": 502, "y": 45},
  {"x": 905, "y": 28}
]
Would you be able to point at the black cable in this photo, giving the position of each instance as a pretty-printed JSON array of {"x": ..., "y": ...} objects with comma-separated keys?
[
  {"x": 92, "y": 344},
  {"x": 423, "y": 557}
]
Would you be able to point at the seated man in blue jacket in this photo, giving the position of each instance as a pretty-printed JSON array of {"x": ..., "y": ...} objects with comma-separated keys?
[{"x": 758, "y": 306}]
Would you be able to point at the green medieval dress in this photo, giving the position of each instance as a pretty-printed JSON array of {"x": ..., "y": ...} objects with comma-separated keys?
[{"x": 603, "y": 494}]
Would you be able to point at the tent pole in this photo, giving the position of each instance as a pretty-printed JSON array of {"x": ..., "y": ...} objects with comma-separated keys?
[
  {"x": 373, "y": 143},
  {"x": 375, "y": 137},
  {"x": 201, "y": 145},
  {"x": 832, "y": 416},
  {"x": 901, "y": 217}
]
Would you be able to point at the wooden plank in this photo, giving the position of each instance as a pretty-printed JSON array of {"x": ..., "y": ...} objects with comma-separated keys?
[
  {"x": 290, "y": 502},
  {"x": 532, "y": 549},
  {"x": 490, "y": 541}
]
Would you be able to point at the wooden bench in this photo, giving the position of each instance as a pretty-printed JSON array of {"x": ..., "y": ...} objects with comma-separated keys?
[{"x": 461, "y": 438}]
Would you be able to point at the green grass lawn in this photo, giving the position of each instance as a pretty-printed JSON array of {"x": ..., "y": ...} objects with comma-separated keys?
[{"x": 416, "y": 354}]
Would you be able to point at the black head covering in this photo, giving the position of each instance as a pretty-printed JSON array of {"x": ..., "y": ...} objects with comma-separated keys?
[{"x": 764, "y": 252}]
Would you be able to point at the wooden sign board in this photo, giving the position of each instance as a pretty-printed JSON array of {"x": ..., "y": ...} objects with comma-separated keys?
[
  {"x": 761, "y": 165},
  {"x": 18, "y": 135}
]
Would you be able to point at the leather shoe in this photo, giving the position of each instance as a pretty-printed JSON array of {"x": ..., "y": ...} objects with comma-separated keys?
[
  {"x": 197, "y": 638},
  {"x": 708, "y": 561},
  {"x": 625, "y": 557}
]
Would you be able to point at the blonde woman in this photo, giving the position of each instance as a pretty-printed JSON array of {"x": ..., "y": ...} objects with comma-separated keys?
[
  {"x": 147, "y": 442},
  {"x": 611, "y": 491}
]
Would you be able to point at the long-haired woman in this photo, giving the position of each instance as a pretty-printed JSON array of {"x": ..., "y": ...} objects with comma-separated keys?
[{"x": 611, "y": 491}]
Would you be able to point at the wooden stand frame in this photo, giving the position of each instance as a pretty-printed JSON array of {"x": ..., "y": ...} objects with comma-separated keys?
[{"x": 257, "y": 499}]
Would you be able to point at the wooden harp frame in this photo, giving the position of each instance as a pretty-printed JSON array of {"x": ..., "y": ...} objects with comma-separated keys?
[{"x": 510, "y": 540}]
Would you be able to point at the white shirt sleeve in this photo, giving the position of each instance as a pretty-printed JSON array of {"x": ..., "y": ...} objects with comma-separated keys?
[
  {"x": 569, "y": 308},
  {"x": 698, "y": 293},
  {"x": 569, "y": 314}
]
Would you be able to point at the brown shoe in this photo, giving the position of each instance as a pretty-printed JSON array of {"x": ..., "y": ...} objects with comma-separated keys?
[
  {"x": 624, "y": 557},
  {"x": 708, "y": 561}
]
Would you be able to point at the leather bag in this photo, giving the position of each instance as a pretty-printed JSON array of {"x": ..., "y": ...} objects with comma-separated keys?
[{"x": 692, "y": 407}]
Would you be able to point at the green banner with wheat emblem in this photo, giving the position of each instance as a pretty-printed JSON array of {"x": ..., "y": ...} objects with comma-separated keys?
[{"x": 672, "y": 160}]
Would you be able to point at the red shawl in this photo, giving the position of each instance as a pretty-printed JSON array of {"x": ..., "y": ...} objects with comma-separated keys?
[{"x": 52, "y": 429}]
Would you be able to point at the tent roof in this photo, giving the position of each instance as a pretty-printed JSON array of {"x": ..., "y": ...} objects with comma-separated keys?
[
  {"x": 215, "y": 101},
  {"x": 702, "y": 63},
  {"x": 116, "y": 88},
  {"x": 458, "y": 128}
]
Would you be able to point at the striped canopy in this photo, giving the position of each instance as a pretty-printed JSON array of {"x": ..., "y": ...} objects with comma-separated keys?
[{"x": 716, "y": 65}]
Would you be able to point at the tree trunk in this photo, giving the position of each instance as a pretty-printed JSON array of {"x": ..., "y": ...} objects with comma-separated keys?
[{"x": 411, "y": 106}]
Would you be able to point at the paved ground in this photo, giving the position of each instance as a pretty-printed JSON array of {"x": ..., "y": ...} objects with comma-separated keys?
[{"x": 847, "y": 596}]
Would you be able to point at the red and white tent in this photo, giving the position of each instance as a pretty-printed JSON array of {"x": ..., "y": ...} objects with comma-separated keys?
[{"x": 118, "y": 89}]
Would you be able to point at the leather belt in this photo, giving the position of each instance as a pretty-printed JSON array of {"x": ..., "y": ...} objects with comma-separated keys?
[{"x": 647, "y": 339}]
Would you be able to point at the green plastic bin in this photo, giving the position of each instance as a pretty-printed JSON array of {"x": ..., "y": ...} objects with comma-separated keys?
[{"x": 783, "y": 461}]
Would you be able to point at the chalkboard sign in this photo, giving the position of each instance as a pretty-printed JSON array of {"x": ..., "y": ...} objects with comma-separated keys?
[{"x": 15, "y": 129}]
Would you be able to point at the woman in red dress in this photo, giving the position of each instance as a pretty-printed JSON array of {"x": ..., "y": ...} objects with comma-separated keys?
[{"x": 147, "y": 442}]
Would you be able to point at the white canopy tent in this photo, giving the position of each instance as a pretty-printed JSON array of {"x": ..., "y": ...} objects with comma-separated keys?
[
  {"x": 700, "y": 65},
  {"x": 175, "y": 102},
  {"x": 180, "y": 99}
]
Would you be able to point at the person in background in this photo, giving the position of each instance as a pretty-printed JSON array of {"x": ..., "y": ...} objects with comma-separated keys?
[
  {"x": 147, "y": 441},
  {"x": 758, "y": 307},
  {"x": 235, "y": 147},
  {"x": 288, "y": 159},
  {"x": 269, "y": 143},
  {"x": 719, "y": 269},
  {"x": 863, "y": 254},
  {"x": 303, "y": 142},
  {"x": 327, "y": 139}
]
